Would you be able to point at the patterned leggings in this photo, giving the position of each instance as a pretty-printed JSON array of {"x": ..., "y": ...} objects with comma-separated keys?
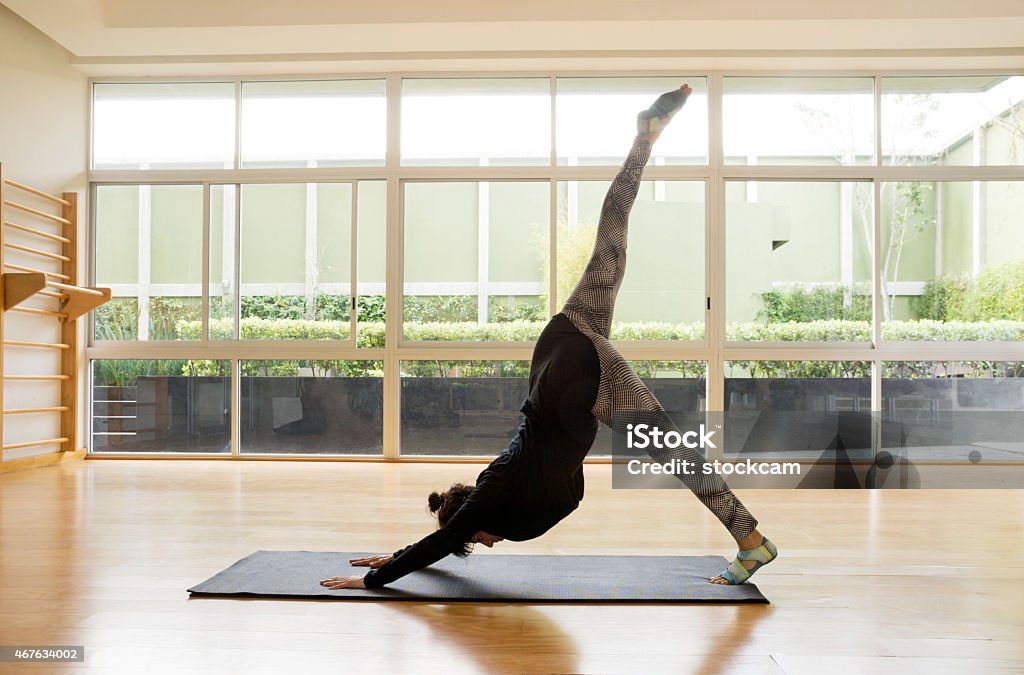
[{"x": 622, "y": 397}]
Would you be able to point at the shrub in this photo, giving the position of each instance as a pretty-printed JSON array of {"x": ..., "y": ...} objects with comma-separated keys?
[
  {"x": 501, "y": 309},
  {"x": 118, "y": 319},
  {"x": 997, "y": 293},
  {"x": 166, "y": 312},
  {"x": 943, "y": 298},
  {"x": 439, "y": 308},
  {"x": 816, "y": 303},
  {"x": 122, "y": 372}
]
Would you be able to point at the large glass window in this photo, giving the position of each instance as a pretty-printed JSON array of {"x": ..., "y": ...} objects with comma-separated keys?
[
  {"x": 149, "y": 252},
  {"x": 798, "y": 261},
  {"x": 952, "y": 261},
  {"x": 953, "y": 121},
  {"x": 476, "y": 122},
  {"x": 320, "y": 123},
  {"x": 596, "y": 120},
  {"x": 161, "y": 406},
  {"x": 165, "y": 125},
  {"x": 824, "y": 222},
  {"x": 312, "y": 407},
  {"x": 662, "y": 294},
  {"x": 476, "y": 260},
  {"x": 826, "y": 121}
]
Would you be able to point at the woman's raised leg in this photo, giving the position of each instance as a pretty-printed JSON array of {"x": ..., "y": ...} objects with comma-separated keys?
[{"x": 592, "y": 302}]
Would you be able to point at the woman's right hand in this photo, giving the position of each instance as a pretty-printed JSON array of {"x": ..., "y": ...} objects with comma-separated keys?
[{"x": 373, "y": 562}]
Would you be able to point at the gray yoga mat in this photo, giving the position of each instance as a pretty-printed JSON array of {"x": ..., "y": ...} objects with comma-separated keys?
[{"x": 487, "y": 578}]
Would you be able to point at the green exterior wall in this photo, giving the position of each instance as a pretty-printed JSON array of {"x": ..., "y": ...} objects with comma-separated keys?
[
  {"x": 176, "y": 237},
  {"x": 117, "y": 235}
]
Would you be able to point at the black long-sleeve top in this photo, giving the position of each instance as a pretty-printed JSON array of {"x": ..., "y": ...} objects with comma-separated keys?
[{"x": 537, "y": 480}]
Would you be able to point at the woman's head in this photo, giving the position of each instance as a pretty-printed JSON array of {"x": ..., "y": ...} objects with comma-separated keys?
[{"x": 446, "y": 504}]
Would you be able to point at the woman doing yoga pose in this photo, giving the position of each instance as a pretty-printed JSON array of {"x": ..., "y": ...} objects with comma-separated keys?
[{"x": 577, "y": 378}]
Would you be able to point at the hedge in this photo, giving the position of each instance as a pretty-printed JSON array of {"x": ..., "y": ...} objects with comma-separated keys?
[{"x": 371, "y": 335}]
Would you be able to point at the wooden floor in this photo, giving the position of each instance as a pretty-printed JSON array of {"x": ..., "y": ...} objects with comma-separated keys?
[{"x": 99, "y": 553}]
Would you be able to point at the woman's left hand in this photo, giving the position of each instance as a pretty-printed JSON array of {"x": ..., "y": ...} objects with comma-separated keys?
[{"x": 335, "y": 583}]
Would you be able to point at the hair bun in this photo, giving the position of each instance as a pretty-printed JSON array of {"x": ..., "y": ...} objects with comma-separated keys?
[{"x": 434, "y": 501}]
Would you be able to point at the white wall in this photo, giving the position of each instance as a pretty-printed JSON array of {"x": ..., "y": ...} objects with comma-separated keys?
[{"x": 43, "y": 134}]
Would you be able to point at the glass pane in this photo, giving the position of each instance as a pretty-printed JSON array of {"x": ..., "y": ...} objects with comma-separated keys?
[
  {"x": 825, "y": 121},
  {"x": 953, "y": 121},
  {"x": 798, "y": 261},
  {"x": 168, "y": 125},
  {"x": 371, "y": 263},
  {"x": 476, "y": 260},
  {"x": 953, "y": 261},
  {"x": 954, "y": 410},
  {"x": 223, "y": 219},
  {"x": 596, "y": 120},
  {"x": 461, "y": 407},
  {"x": 320, "y": 123},
  {"x": 662, "y": 293},
  {"x": 805, "y": 410},
  {"x": 149, "y": 252},
  {"x": 161, "y": 406},
  {"x": 476, "y": 122},
  {"x": 296, "y": 242},
  {"x": 680, "y": 386},
  {"x": 312, "y": 407}
]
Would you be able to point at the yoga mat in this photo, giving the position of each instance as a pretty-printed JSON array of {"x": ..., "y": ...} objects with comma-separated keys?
[{"x": 487, "y": 578}]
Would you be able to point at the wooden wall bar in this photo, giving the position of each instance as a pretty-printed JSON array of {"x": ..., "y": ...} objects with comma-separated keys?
[{"x": 75, "y": 301}]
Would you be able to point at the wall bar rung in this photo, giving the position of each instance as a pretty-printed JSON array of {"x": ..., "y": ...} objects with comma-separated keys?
[
  {"x": 48, "y": 345},
  {"x": 36, "y": 212},
  {"x": 19, "y": 411},
  {"x": 31, "y": 270},
  {"x": 36, "y": 251},
  {"x": 36, "y": 377},
  {"x": 38, "y": 193},
  {"x": 33, "y": 310},
  {"x": 51, "y": 294},
  {"x": 76, "y": 289},
  {"x": 38, "y": 233},
  {"x": 27, "y": 444}
]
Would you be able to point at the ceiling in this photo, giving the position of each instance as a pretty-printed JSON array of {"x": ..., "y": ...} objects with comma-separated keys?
[{"x": 247, "y": 36}]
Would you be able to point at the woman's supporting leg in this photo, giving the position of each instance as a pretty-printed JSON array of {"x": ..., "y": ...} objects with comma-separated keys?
[{"x": 633, "y": 403}]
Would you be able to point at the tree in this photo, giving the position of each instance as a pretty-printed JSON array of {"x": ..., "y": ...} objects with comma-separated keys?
[{"x": 910, "y": 217}]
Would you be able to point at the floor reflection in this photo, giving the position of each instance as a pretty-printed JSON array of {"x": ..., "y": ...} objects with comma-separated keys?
[
  {"x": 499, "y": 637},
  {"x": 728, "y": 645}
]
